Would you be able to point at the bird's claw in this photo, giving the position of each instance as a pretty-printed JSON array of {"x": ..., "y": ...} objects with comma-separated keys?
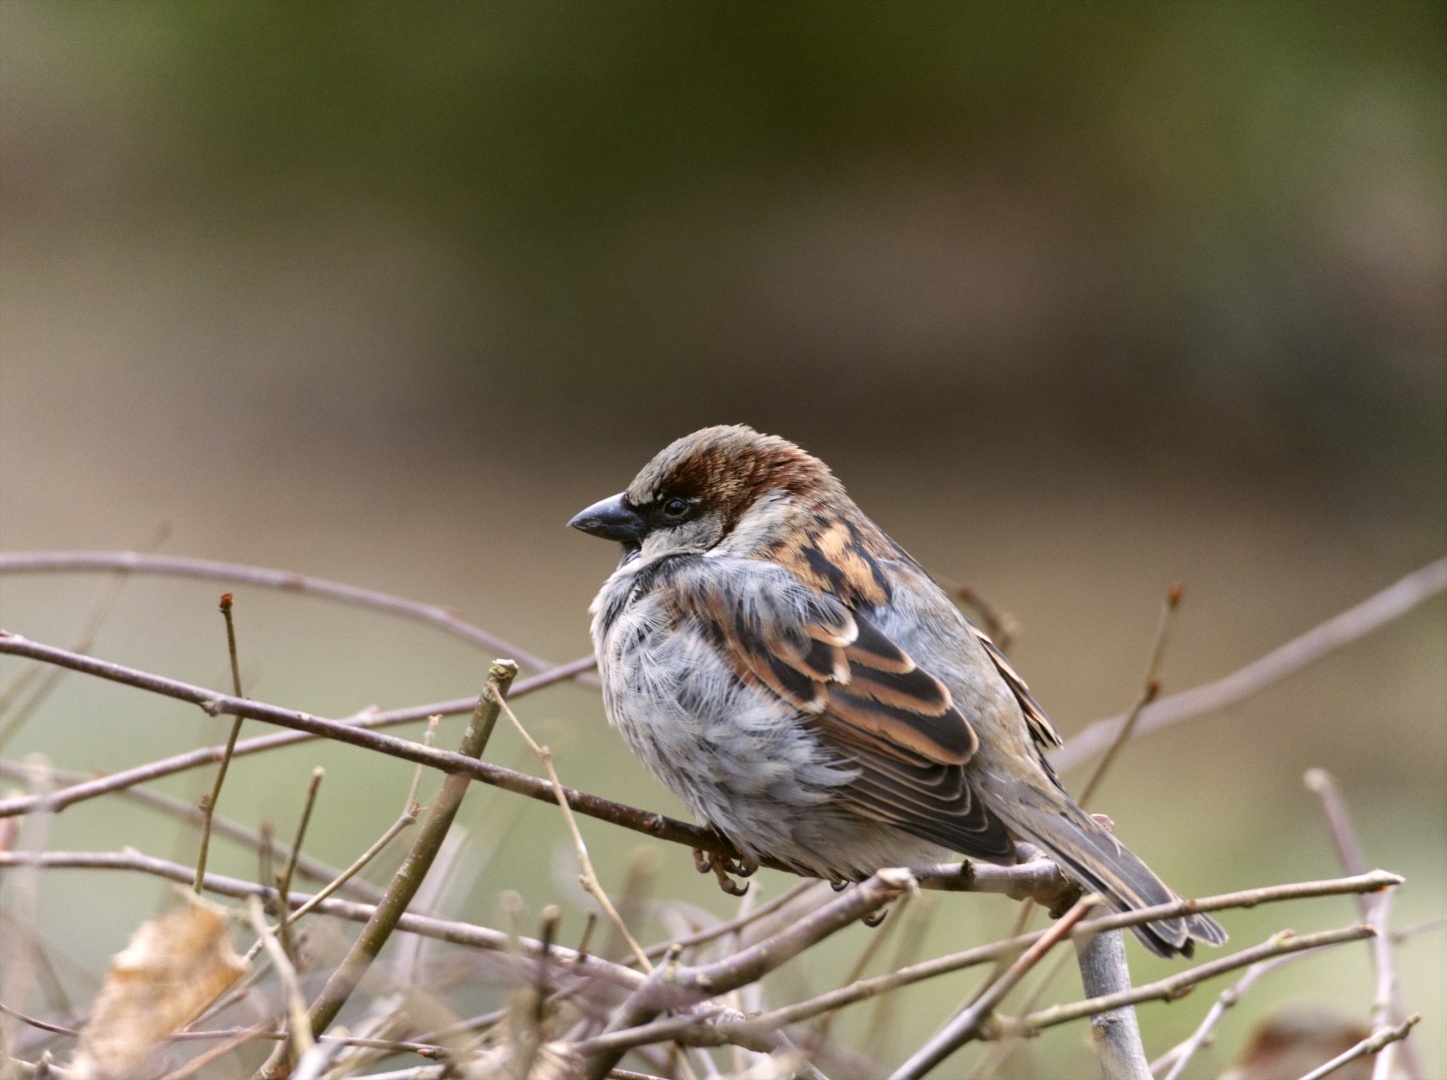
[
  {"x": 722, "y": 866},
  {"x": 743, "y": 867},
  {"x": 874, "y": 918}
]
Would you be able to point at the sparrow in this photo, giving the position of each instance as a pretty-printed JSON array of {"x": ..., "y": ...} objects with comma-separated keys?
[{"x": 805, "y": 688}]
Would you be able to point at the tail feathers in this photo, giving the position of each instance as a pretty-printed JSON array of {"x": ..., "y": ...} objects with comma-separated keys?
[{"x": 1091, "y": 855}]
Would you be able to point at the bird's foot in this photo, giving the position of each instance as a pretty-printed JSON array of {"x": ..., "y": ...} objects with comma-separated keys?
[{"x": 722, "y": 866}]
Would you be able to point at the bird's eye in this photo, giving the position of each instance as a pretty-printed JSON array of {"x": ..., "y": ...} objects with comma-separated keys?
[{"x": 675, "y": 508}]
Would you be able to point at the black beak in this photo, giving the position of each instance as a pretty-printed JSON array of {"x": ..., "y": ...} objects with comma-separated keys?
[{"x": 612, "y": 519}]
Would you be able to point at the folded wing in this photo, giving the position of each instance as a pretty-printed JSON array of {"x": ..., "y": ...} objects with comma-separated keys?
[{"x": 856, "y": 690}]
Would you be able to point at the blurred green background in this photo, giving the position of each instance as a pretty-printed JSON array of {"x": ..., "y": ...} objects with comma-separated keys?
[{"x": 1079, "y": 300}]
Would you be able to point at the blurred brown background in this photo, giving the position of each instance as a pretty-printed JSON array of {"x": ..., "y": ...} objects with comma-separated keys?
[{"x": 1079, "y": 300}]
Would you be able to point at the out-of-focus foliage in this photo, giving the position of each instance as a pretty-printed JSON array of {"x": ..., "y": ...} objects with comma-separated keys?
[{"x": 1214, "y": 225}]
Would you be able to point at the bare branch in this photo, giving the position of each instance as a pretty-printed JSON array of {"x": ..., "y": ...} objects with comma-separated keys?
[
  {"x": 1178, "y": 1057},
  {"x": 82, "y": 790},
  {"x": 208, "y": 802},
  {"x": 1116, "y": 1032},
  {"x": 1179, "y": 985},
  {"x": 134, "y": 562},
  {"x": 965, "y": 1025},
  {"x": 414, "y": 868},
  {"x": 983, "y": 954},
  {"x": 755, "y": 915},
  {"x": 668, "y": 987},
  {"x": 84, "y": 642},
  {"x": 297, "y": 1025},
  {"x": 1376, "y": 611},
  {"x": 468, "y": 935},
  {"x": 1339, "y": 821},
  {"x": 588, "y": 877},
  {"x": 1378, "y": 1040},
  {"x": 1426, "y": 926},
  {"x": 1150, "y": 690},
  {"x": 307, "y": 865},
  {"x": 1387, "y": 1004},
  {"x": 357, "y": 734},
  {"x": 1037, "y": 878}
]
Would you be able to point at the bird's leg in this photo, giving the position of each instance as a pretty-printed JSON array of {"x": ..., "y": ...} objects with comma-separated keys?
[{"x": 722, "y": 866}]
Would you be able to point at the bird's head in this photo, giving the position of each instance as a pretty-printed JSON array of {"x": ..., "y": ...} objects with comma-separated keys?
[{"x": 721, "y": 485}]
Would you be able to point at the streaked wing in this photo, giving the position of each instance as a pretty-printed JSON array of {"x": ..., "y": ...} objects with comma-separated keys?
[{"x": 856, "y": 690}]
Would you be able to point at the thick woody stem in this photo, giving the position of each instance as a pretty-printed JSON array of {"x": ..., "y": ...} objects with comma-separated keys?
[{"x": 1117, "y": 1034}]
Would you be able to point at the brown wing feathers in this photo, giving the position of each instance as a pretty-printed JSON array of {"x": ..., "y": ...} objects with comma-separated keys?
[
  {"x": 928, "y": 799},
  {"x": 867, "y": 700}
]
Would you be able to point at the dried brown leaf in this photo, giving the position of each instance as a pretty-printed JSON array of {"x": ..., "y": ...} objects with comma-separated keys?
[{"x": 174, "y": 966}]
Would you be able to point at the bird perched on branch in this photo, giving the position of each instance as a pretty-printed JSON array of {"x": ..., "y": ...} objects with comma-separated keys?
[{"x": 800, "y": 682}]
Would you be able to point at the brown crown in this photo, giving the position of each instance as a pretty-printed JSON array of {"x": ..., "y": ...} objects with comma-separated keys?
[{"x": 728, "y": 467}]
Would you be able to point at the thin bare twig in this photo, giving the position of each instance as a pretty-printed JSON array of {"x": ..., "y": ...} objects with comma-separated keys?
[
  {"x": 35, "y": 1022},
  {"x": 410, "y": 810},
  {"x": 1387, "y": 1005},
  {"x": 588, "y": 877},
  {"x": 356, "y": 734},
  {"x": 710, "y": 1029},
  {"x": 1377, "y": 1041},
  {"x": 1356, "y": 622},
  {"x": 1180, "y": 1056},
  {"x": 668, "y": 986},
  {"x": 297, "y": 1025},
  {"x": 468, "y": 935},
  {"x": 754, "y": 915},
  {"x": 134, "y": 562},
  {"x": 414, "y": 868},
  {"x": 1104, "y": 961},
  {"x": 1426, "y": 926},
  {"x": 1181, "y": 984},
  {"x": 196, "y": 1064},
  {"x": 1005, "y": 1048},
  {"x": 81, "y": 790},
  {"x": 367, "y": 856},
  {"x": 84, "y": 642},
  {"x": 964, "y": 1026},
  {"x": 208, "y": 802},
  {"x": 983, "y": 954},
  {"x": 999, "y": 624},
  {"x": 283, "y": 882},
  {"x": 306, "y": 865},
  {"x": 1150, "y": 690}
]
